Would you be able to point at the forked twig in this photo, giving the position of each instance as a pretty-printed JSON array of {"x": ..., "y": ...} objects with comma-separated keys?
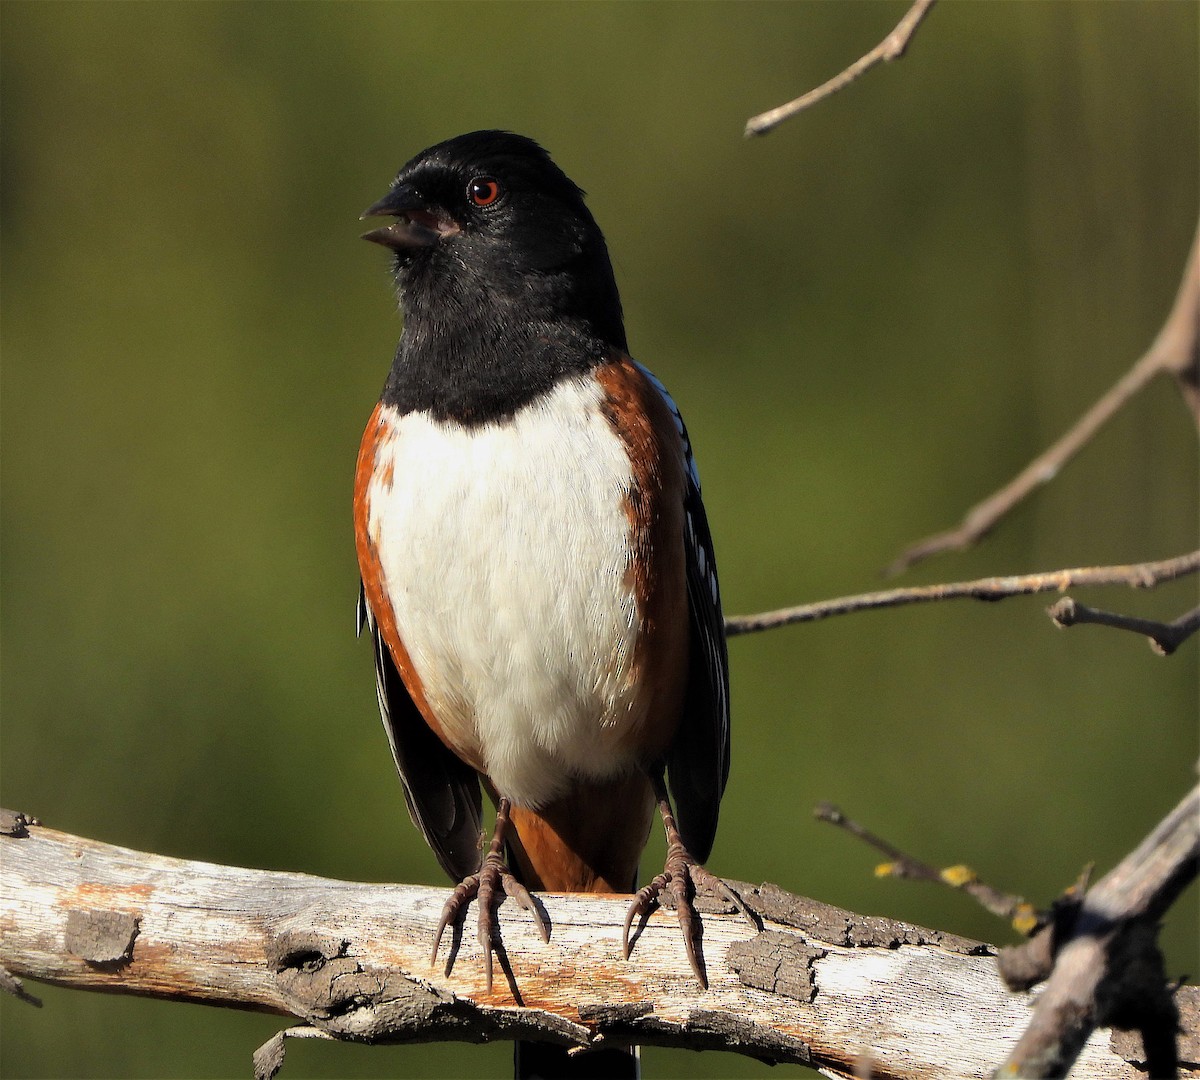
[{"x": 1164, "y": 638}]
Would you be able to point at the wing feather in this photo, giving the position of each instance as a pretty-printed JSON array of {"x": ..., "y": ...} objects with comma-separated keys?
[
  {"x": 440, "y": 789},
  {"x": 698, "y": 758}
]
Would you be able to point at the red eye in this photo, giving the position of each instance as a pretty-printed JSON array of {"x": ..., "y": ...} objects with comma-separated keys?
[{"x": 483, "y": 191}]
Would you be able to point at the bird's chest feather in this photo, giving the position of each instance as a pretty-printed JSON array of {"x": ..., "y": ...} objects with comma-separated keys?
[{"x": 505, "y": 551}]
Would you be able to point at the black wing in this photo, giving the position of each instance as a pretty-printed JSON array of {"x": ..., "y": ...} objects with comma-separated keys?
[
  {"x": 698, "y": 759},
  {"x": 441, "y": 790}
]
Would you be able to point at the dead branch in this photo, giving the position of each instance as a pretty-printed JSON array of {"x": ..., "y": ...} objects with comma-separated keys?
[
  {"x": 1098, "y": 948},
  {"x": 1102, "y": 962},
  {"x": 1135, "y": 575},
  {"x": 890, "y": 48},
  {"x": 819, "y": 985},
  {"x": 1175, "y": 352},
  {"x": 1164, "y": 638}
]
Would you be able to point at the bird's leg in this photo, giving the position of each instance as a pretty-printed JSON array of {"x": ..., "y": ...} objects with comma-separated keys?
[
  {"x": 681, "y": 876},
  {"x": 494, "y": 877}
]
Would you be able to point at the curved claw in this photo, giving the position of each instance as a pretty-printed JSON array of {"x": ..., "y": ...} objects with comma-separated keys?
[
  {"x": 642, "y": 905},
  {"x": 464, "y": 892},
  {"x": 486, "y": 930},
  {"x": 514, "y": 889},
  {"x": 689, "y": 923},
  {"x": 706, "y": 878}
]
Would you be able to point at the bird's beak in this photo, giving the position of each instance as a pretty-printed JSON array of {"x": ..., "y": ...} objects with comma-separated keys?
[{"x": 416, "y": 226}]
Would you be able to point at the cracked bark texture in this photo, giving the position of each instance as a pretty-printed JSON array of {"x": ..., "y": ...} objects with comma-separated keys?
[{"x": 819, "y": 986}]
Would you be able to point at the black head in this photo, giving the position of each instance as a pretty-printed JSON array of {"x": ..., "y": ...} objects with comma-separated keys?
[{"x": 489, "y": 229}]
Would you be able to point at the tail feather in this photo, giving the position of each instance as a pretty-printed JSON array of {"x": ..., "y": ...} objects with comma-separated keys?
[{"x": 549, "y": 1061}]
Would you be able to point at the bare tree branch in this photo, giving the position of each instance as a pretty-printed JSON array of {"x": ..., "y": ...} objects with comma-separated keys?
[
  {"x": 1106, "y": 969},
  {"x": 1175, "y": 351},
  {"x": 819, "y": 986},
  {"x": 1165, "y": 638},
  {"x": 890, "y": 48},
  {"x": 1098, "y": 948},
  {"x": 1135, "y": 575}
]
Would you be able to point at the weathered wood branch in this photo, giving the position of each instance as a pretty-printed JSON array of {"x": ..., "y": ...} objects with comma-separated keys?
[{"x": 819, "y": 985}]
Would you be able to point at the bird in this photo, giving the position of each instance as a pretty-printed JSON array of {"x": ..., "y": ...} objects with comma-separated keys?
[{"x": 537, "y": 570}]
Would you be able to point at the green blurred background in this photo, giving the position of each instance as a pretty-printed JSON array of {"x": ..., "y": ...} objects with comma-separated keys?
[{"x": 871, "y": 319}]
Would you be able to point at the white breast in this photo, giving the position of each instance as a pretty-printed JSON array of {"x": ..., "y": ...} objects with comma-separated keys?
[{"x": 505, "y": 551}]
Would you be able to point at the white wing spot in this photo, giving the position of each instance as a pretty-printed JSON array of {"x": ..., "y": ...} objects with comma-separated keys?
[{"x": 677, "y": 416}]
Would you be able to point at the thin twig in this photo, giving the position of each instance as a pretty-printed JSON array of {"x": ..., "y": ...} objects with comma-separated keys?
[
  {"x": 890, "y": 48},
  {"x": 1165, "y": 638},
  {"x": 1175, "y": 351},
  {"x": 1137, "y": 575},
  {"x": 901, "y": 865}
]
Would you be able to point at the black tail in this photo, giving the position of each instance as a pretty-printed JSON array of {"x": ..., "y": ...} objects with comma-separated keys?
[{"x": 547, "y": 1061}]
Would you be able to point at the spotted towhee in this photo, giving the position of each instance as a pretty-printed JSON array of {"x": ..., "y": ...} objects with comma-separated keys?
[{"x": 537, "y": 570}]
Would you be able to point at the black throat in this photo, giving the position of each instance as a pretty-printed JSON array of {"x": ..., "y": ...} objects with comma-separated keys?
[
  {"x": 485, "y": 370},
  {"x": 479, "y": 343}
]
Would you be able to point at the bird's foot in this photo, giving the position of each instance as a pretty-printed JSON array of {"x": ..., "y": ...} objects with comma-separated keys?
[
  {"x": 490, "y": 885},
  {"x": 682, "y": 875}
]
